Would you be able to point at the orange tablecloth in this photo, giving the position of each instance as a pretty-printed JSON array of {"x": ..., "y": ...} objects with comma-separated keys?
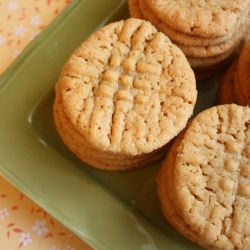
[{"x": 23, "y": 224}]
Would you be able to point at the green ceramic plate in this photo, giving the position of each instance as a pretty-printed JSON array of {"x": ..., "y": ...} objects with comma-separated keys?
[{"x": 108, "y": 210}]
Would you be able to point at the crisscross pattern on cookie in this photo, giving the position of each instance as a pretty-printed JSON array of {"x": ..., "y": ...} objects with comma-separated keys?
[
  {"x": 213, "y": 177},
  {"x": 128, "y": 88}
]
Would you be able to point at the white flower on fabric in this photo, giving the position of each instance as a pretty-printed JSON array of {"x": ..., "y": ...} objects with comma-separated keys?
[
  {"x": 40, "y": 228},
  {"x": 68, "y": 247},
  {"x": 3, "y": 213},
  {"x": 20, "y": 30},
  {"x": 35, "y": 20},
  {"x": 2, "y": 40},
  {"x": 54, "y": 248},
  {"x": 16, "y": 53},
  {"x": 12, "y": 6},
  {"x": 25, "y": 239}
]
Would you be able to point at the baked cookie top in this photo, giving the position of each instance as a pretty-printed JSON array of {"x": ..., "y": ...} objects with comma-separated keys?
[
  {"x": 243, "y": 73},
  {"x": 127, "y": 88},
  {"x": 205, "y": 18},
  {"x": 212, "y": 177}
]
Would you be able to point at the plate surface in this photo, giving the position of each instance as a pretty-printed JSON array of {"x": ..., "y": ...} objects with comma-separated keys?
[{"x": 108, "y": 210}]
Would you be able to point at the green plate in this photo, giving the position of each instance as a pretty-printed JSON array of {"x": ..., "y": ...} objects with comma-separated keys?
[{"x": 108, "y": 210}]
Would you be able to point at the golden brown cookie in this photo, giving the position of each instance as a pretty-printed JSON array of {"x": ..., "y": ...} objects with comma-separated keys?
[
  {"x": 139, "y": 9},
  {"x": 201, "y": 51},
  {"x": 243, "y": 74},
  {"x": 235, "y": 86},
  {"x": 164, "y": 189},
  {"x": 238, "y": 93},
  {"x": 164, "y": 182},
  {"x": 196, "y": 46},
  {"x": 127, "y": 90},
  {"x": 226, "y": 93},
  {"x": 210, "y": 61},
  {"x": 207, "y": 19},
  {"x": 134, "y": 9},
  {"x": 206, "y": 180},
  {"x": 87, "y": 153}
]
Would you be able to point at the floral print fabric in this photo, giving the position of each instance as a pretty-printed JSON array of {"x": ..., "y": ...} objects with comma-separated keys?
[
  {"x": 24, "y": 225},
  {"x": 21, "y": 21}
]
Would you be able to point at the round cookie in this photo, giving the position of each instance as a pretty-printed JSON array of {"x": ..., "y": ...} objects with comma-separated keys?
[
  {"x": 139, "y": 8},
  {"x": 166, "y": 196},
  {"x": 207, "y": 19},
  {"x": 127, "y": 90},
  {"x": 210, "y": 61},
  {"x": 84, "y": 151},
  {"x": 217, "y": 49},
  {"x": 226, "y": 94},
  {"x": 211, "y": 180},
  {"x": 213, "y": 52},
  {"x": 243, "y": 74}
]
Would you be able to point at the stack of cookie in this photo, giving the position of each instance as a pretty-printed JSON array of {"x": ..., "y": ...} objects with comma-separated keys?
[
  {"x": 208, "y": 32},
  {"x": 123, "y": 95},
  {"x": 204, "y": 184},
  {"x": 235, "y": 85}
]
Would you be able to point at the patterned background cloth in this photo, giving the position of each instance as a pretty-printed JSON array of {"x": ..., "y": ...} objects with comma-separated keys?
[
  {"x": 21, "y": 21},
  {"x": 23, "y": 224}
]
